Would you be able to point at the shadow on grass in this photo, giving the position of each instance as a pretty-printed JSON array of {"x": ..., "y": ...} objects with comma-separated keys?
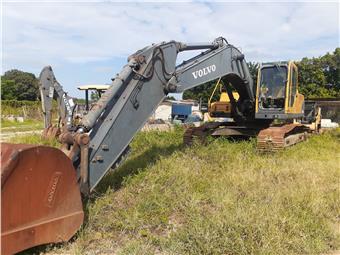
[
  {"x": 133, "y": 166},
  {"x": 115, "y": 179}
]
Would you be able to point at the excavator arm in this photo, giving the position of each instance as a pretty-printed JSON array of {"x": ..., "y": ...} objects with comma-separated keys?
[{"x": 49, "y": 88}]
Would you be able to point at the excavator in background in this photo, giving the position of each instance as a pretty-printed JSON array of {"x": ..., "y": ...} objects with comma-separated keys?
[
  {"x": 50, "y": 88},
  {"x": 68, "y": 111},
  {"x": 42, "y": 187},
  {"x": 277, "y": 103}
]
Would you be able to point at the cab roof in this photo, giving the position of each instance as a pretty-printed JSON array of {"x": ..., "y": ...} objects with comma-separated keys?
[
  {"x": 93, "y": 87},
  {"x": 280, "y": 63}
]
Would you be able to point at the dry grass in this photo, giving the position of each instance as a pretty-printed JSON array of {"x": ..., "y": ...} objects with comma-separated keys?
[{"x": 223, "y": 198}]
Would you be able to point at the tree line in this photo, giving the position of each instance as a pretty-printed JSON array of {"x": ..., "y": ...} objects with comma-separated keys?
[{"x": 319, "y": 77}]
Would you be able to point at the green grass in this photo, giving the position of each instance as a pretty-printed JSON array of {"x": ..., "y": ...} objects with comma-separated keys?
[
  {"x": 29, "y": 124},
  {"x": 34, "y": 139},
  {"x": 222, "y": 198}
]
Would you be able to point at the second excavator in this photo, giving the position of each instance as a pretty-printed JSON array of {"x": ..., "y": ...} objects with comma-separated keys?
[
  {"x": 49, "y": 89},
  {"x": 41, "y": 186}
]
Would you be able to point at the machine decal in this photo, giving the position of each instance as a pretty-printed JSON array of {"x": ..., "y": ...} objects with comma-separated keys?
[
  {"x": 52, "y": 188},
  {"x": 204, "y": 71},
  {"x": 68, "y": 108}
]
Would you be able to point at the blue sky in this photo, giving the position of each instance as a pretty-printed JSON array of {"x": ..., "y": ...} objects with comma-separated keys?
[{"x": 89, "y": 42}]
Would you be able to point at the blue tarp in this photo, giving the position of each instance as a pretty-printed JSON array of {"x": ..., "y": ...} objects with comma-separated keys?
[{"x": 181, "y": 109}]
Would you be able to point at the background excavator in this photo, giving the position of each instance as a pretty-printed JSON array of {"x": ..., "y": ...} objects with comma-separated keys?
[
  {"x": 68, "y": 111},
  {"x": 41, "y": 186},
  {"x": 50, "y": 88}
]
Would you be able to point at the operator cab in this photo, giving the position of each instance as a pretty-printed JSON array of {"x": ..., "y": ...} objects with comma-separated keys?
[
  {"x": 272, "y": 86},
  {"x": 277, "y": 94}
]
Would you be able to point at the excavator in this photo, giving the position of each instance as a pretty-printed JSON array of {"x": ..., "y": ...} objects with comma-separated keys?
[
  {"x": 42, "y": 187},
  {"x": 280, "y": 118},
  {"x": 50, "y": 88},
  {"x": 68, "y": 111}
]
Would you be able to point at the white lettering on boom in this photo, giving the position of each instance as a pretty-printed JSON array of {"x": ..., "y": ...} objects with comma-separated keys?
[{"x": 204, "y": 71}]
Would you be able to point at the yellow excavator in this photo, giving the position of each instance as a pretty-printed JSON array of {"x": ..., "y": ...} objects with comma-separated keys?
[{"x": 286, "y": 118}]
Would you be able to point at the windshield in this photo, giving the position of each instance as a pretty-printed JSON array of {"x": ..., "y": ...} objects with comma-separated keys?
[
  {"x": 273, "y": 81},
  {"x": 272, "y": 87}
]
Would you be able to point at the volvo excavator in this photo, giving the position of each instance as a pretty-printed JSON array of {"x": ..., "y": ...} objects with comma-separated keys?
[
  {"x": 280, "y": 112},
  {"x": 42, "y": 187}
]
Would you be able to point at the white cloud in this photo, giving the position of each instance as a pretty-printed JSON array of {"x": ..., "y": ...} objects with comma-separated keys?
[{"x": 35, "y": 34}]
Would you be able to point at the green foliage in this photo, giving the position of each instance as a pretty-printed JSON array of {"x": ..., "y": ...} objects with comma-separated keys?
[
  {"x": 94, "y": 96},
  {"x": 35, "y": 139},
  {"x": 223, "y": 198},
  {"x": 202, "y": 92},
  {"x": 28, "y": 109},
  {"x": 28, "y": 124},
  {"x": 169, "y": 98},
  {"x": 253, "y": 68},
  {"x": 19, "y": 85},
  {"x": 79, "y": 100},
  {"x": 8, "y": 90},
  {"x": 18, "y": 104},
  {"x": 320, "y": 77}
]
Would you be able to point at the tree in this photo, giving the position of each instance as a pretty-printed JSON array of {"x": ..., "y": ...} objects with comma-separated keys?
[
  {"x": 319, "y": 77},
  {"x": 253, "y": 68},
  {"x": 94, "y": 96},
  {"x": 8, "y": 90},
  {"x": 202, "y": 92},
  {"x": 169, "y": 98},
  {"x": 19, "y": 85}
]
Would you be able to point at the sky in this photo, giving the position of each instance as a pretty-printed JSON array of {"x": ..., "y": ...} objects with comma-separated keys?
[{"x": 88, "y": 42}]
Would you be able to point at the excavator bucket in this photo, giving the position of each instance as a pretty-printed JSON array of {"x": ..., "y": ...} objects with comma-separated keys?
[{"x": 40, "y": 197}]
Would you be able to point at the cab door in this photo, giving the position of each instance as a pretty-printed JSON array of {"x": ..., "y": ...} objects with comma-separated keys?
[{"x": 294, "y": 100}]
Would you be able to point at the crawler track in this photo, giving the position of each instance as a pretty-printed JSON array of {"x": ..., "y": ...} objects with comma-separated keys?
[
  {"x": 199, "y": 133},
  {"x": 276, "y": 138},
  {"x": 269, "y": 139}
]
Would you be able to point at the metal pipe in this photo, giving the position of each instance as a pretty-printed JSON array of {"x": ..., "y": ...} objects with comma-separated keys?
[
  {"x": 198, "y": 46},
  {"x": 240, "y": 68},
  {"x": 84, "y": 169},
  {"x": 86, "y": 99},
  {"x": 90, "y": 119}
]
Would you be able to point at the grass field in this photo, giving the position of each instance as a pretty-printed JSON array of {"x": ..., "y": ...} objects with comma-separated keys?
[
  {"x": 13, "y": 129},
  {"x": 27, "y": 124},
  {"x": 223, "y": 198}
]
